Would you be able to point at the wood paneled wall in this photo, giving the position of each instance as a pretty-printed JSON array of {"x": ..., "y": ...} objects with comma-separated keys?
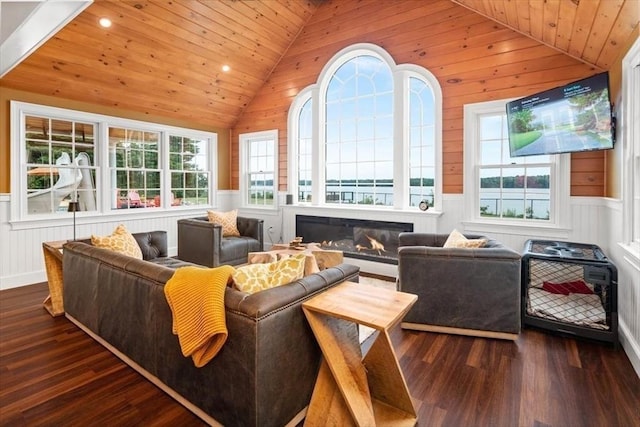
[{"x": 473, "y": 58}]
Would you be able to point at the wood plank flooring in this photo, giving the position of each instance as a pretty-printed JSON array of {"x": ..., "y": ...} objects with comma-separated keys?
[{"x": 52, "y": 374}]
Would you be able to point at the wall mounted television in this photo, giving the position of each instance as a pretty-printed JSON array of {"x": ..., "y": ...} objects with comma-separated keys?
[{"x": 570, "y": 118}]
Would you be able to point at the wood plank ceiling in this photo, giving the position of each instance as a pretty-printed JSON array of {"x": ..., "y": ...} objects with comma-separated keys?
[
  {"x": 165, "y": 58},
  {"x": 592, "y": 31}
]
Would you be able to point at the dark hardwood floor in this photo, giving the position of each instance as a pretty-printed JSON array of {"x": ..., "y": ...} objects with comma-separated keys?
[{"x": 52, "y": 374}]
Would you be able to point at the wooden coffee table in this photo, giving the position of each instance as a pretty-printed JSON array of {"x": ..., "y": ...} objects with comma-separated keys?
[
  {"x": 352, "y": 390},
  {"x": 316, "y": 258}
]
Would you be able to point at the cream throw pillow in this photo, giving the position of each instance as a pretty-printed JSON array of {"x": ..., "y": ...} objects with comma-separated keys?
[
  {"x": 228, "y": 221},
  {"x": 120, "y": 241},
  {"x": 259, "y": 277},
  {"x": 457, "y": 240}
]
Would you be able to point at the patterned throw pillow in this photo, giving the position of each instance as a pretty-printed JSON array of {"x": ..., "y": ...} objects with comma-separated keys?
[
  {"x": 259, "y": 277},
  {"x": 119, "y": 241},
  {"x": 228, "y": 221},
  {"x": 457, "y": 240}
]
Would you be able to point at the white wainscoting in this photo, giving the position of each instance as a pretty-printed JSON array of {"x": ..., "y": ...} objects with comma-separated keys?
[
  {"x": 594, "y": 220},
  {"x": 21, "y": 259}
]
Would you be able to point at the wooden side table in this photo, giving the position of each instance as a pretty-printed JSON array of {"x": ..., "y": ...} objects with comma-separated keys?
[
  {"x": 352, "y": 390},
  {"x": 53, "y": 265}
]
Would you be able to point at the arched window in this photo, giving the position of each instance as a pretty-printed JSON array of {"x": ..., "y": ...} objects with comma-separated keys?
[{"x": 367, "y": 133}]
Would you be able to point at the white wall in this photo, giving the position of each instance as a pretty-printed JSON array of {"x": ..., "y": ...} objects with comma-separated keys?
[{"x": 594, "y": 220}]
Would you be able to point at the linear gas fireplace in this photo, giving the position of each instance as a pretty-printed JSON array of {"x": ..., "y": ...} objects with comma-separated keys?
[{"x": 356, "y": 238}]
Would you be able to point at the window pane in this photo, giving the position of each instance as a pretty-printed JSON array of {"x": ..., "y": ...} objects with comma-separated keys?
[
  {"x": 59, "y": 156},
  {"x": 305, "y": 140},
  {"x": 422, "y": 142},
  {"x": 524, "y": 193},
  {"x": 364, "y": 150},
  {"x": 134, "y": 161},
  {"x": 186, "y": 156}
]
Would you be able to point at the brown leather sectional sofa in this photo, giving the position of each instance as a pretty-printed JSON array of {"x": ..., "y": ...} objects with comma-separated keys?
[{"x": 263, "y": 375}]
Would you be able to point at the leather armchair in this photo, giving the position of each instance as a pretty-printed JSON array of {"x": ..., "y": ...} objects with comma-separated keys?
[
  {"x": 201, "y": 242},
  {"x": 460, "y": 290}
]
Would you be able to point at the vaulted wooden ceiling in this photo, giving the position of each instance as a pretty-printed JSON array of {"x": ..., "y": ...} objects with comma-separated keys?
[
  {"x": 592, "y": 31},
  {"x": 165, "y": 57}
]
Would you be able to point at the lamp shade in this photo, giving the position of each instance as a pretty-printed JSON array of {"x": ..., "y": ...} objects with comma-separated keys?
[{"x": 73, "y": 207}]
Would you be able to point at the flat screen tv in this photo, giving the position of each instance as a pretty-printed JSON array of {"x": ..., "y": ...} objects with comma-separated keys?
[{"x": 570, "y": 118}]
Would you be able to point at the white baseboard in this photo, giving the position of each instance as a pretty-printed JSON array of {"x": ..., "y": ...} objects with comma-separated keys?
[
  {"x": 631, "y": 347},
  {"x": 17, "y": 280},
  {"x": 379, "y": 268}
]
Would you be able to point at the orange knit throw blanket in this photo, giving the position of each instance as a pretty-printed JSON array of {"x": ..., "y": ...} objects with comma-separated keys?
[{"x": 196, "y": 298}]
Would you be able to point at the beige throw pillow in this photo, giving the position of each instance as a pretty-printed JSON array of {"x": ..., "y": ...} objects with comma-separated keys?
[
  {"x": 228, "y": 221},
  {"x": 457, "y": 240},
  {"x": 120, "y": 241}
]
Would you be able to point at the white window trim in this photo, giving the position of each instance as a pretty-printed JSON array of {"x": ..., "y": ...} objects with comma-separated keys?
[
  {"x": 317, "y": 93},
  {"x": 244, "y": 139},
  {"x": 560, "y": 182},
  {"x": 21, "y": 220},
  {"x": 293, "y": 131},
  {"x": 630, "y": 138}
]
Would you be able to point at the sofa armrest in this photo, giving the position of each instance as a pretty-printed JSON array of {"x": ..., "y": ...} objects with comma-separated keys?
[
  {"x": 437, "y": 239},
  {"x": 421, "y": 239},
  {"x": 252, "y": 227},
  {"x": 153, "y": 244},
  {"x": 199, "y": 241},
  {"x": 268, "y": 302},
  {"x": 497, "y": 252}
]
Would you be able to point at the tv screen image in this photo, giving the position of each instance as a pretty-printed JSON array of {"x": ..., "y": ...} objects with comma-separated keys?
[{"x": 570, "y": 118}]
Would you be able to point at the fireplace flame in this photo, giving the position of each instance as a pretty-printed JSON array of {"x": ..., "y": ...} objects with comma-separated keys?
[{"x": 375, "y": 245}]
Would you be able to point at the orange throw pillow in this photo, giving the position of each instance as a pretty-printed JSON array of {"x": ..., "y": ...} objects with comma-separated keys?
[{"x": 228, "y": 221}]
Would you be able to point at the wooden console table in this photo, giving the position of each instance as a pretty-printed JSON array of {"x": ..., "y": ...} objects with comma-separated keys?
[
  {"x": 352, "y": 390},
  {"x": 53, "y": 265}
]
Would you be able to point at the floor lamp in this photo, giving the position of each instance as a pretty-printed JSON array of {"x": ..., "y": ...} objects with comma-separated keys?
[{"x": 74, "y": 206}]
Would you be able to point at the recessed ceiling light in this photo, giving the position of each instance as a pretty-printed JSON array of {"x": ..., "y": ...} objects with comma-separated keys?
[
  {"x": 226, "y": 68},
  {"x": 105, "y": 22}
]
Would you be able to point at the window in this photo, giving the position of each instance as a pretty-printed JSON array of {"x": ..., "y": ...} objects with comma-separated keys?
[
  {"x": 499, "y": 187},
  {"x": 375, "y": 136},
  {"x": 305, "y": 157},
  {"x": 105, "y": 163},
  {"x": 59, "y": 155},
  {"x": 258, "y": 151},
  {"x": 359, "y": 133},
  {"x": 134, "y": 167},
  {"x": 422, "y": 142},
  {"x": 188, "y": 163}
]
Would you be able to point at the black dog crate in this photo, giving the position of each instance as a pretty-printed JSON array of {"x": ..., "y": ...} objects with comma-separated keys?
[{"x": 570, "y": 288}]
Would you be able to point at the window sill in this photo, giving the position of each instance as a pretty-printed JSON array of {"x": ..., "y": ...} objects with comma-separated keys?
[
  {"x": 551, "y": 231},
  {"x": 431, "y": 212},
  {"x": 631, "y": 254},
  {"x": 66, "y": 219}
]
